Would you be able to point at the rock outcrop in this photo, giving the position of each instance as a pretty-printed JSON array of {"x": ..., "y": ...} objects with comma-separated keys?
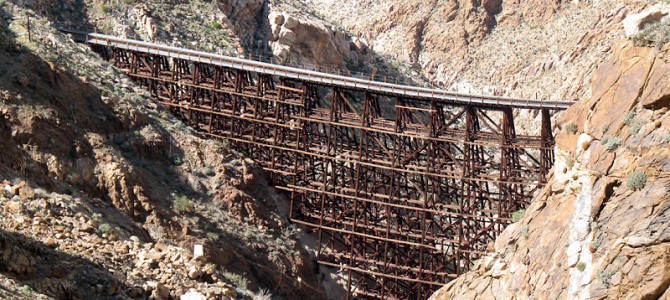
[
  {"x": 307, "y": 41},
  {"x": 601, "y": 227}
]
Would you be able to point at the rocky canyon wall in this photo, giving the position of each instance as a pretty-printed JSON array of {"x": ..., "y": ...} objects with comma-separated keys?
[{"x": 600, "y": 229}]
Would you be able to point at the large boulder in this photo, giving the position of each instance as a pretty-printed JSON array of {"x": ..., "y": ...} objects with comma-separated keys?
[
  {"x": 635, "y": 23},
  {"x": 307, "y": 41}
]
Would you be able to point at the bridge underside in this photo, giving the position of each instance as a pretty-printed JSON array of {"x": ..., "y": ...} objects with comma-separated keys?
[{"x": 402, "y": 201}]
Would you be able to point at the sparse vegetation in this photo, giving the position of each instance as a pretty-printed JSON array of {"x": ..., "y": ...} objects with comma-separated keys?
[
  {"x": 635, "y": 128},
  {"x": 182, "y": 204},
  {"x": 637, "y": 181},
  {"x": 524, "y": 232},
  {"x": 581, "y": 266},
  {"x": 629, "y": 118},
  {"x": 262, "y": 294},
  {"x": 208, "y": 171},
  {"x": 657, "y": 34},
  {"x": 26, "y": 289},
  {"x": 238, "y": 280},
  {"x": 572, "y": 128},
  {"x": 594, "y": 245},
  {"x": 611, "y": 143},
  {"x": 212, "y": 236},
  {"x": 666, "y": 139},
  {"x": 216, "y": 25},
  {"x": 518, "y": 215},
  {"x": 107, "y": 9},
  {"x": 569, "y": 162},
  {"x": 105, "y": 228},
  {"x": 605, "y": 276}
]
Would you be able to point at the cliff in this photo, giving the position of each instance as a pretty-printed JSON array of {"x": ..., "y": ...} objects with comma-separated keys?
[{"x": 601, "y": 227}]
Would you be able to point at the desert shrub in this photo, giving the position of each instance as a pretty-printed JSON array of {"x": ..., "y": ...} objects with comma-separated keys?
[
  {"x": 657, "y": 34},
  {"x": 107, "y": 9},
  {"x": 216, "y": 25},
  {"x": 105, "y": 228},
  {"x": 262, "y": 294},
  {"x": 572, "y": 128},
  {"x": 629, "y": 118},
  {"x": 569, "y": 162},
  {"x": 637, "y": 180},
  {"x": 525, "y": 232},
  {"x": 182, "y": 204},
  {"x": 518, "y": 215},
  {"x": 611, "y": 143},
  {"x": 238, "y": 280},
  {"x": 666, "y": 139},
  {"x": 595, "y": 244},
  {"x": 208, "y": 171},
  {"x": 212, "y": 236},
  {"x": 635, "y": 128},
  {"x": 605, "y": 277},
  {"x": 581, "y": 266}
]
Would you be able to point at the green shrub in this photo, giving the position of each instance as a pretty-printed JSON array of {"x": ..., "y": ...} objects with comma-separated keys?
[
  {"x": 635, "y": 128},
  {"x": 238, "y": 280},
  {"x": 581, "y": 266},
  {"x": 572, "y": 128},
  {"x": 637, "y": 180},
  {"x": 525, "y": 232},
  {"x": 629, "y": 118},
  {"x": 107, "y": 9},
  {"x": 569, "y": 162},
  {"x": 611, "y": 143},
  {"x": 657, "y": 34},
  {"x": 182, "y": 204},
  {"x": 208, "y": 171},
  {"x": 216, "y": 25},
  {"x": 518, "y": 215},
  {"x": 605, "y": 277},
  {"x": 595, "y": 244},
  {"x": 105, "y": 228},
  {"x": 212, "y": 236}
]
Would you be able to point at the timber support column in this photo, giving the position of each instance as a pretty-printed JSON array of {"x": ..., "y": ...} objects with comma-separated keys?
[{"x": 546, "y": 146}]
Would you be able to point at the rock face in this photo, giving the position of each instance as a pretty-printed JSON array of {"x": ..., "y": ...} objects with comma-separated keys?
[
  {"x": 246, "y": 16},
  {"x": 103, "y": 193},
  {"x": 601, "y": 227},
  {"x": 516, "y": 48},
  {"x": 307, "y": 41}
]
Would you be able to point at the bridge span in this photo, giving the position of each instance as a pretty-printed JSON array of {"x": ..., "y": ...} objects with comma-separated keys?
[{"x": 404, "y": 187}]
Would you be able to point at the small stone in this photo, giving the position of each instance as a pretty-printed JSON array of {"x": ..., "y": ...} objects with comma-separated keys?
[
  {"x": 50, "y": 242},
  {"x": 134, "y": 292},
  {"x": 194, "y": 273},
  {"x": 192, "y": 295},
  {"x": 135, "y": 239}
]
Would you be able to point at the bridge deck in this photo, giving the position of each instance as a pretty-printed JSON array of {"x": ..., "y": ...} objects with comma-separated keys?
[{"x": 314, "y": 76}]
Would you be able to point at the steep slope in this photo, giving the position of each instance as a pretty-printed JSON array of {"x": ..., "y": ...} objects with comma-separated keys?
[
  {"x": 103, "y": 194},
  {"x": 601, "y": 227},
  {"x": 543, "y": 48}
]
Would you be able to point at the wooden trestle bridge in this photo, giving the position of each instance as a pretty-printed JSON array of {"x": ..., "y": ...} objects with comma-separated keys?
[{"x": 404, "y": 201}]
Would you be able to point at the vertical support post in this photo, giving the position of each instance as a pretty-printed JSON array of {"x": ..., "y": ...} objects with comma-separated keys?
[{"x": 547, "y": 146}]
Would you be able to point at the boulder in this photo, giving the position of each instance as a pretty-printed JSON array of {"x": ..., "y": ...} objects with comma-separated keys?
[
  {"x": 193, "y": 295},
  {"x": 633, "y": 24}
]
